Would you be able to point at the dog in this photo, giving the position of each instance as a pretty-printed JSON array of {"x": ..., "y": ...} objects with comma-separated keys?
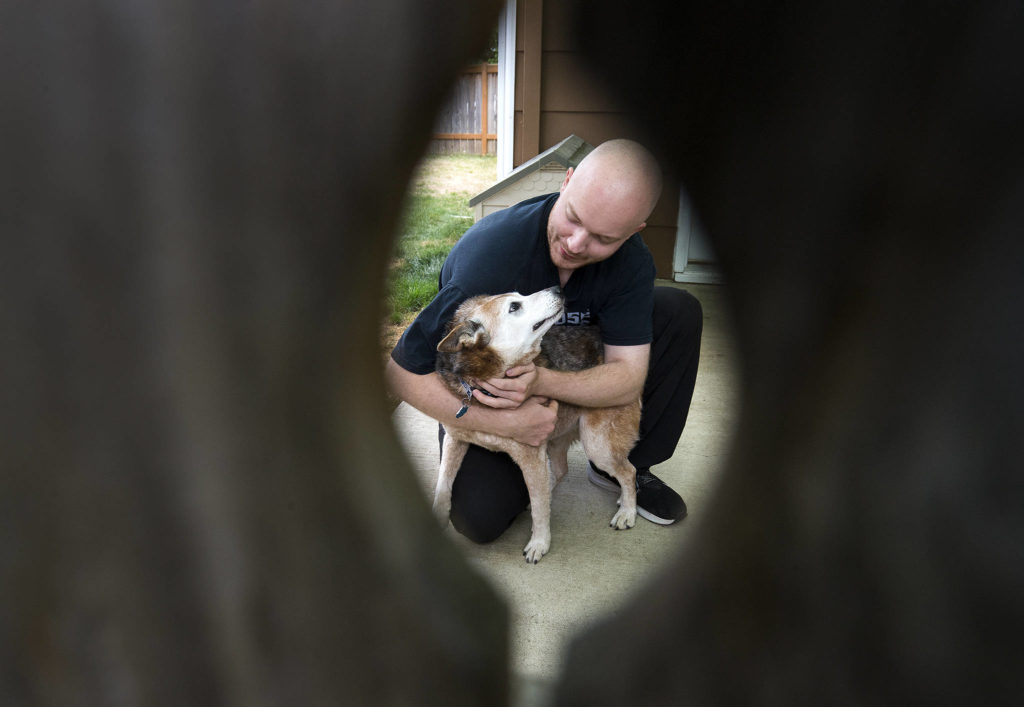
[{"x": 490, "y": 334}]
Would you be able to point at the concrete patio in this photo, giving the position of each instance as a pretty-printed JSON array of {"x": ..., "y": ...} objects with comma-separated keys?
[{"x": 590, "y": 567}]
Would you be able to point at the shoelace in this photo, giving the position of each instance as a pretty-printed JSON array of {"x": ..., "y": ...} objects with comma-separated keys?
[{"x": 645, "y": 479}]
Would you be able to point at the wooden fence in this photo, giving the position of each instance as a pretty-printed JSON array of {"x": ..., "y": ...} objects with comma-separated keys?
[{"x": 467, "y": 122}]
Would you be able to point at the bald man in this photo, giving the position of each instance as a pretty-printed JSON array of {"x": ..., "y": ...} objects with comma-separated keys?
[{"x": 584, "y": 238}]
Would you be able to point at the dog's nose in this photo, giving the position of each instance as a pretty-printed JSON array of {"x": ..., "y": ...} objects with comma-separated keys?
[{"x": 556, "y": 290}]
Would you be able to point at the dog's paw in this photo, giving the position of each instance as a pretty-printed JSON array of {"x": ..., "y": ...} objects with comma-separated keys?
[
  {"x": 624, "y": 519},
  {"x": 536, "y": 549}
]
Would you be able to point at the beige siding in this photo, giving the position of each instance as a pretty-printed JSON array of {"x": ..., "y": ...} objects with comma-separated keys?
[{"x": 545, "y": 180}]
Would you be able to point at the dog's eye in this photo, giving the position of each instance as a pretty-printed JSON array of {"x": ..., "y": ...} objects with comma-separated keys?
[{"x": 513, "y": 307}]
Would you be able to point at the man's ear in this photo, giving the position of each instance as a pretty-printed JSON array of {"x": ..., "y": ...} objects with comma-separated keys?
[
  {"x": 465, "y": 336},
  {"x": 565, "y": 182}
]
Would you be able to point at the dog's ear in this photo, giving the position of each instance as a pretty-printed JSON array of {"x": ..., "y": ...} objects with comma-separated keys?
[{"x": 465, "y": 336}]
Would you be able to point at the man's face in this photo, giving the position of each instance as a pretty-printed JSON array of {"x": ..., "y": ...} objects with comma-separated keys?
[{"x": 585, "y": 226}]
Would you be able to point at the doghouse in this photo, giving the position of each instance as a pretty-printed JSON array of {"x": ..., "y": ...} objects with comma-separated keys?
[{"x": 541, "y": 175}]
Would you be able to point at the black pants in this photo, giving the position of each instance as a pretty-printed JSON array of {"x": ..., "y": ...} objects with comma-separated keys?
[{"x": 489, "y": 491}]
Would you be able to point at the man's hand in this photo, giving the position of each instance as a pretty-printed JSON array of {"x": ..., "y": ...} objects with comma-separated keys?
[
  {"x": 511, "y": 391},
  {"x": 534, "y": 421}
]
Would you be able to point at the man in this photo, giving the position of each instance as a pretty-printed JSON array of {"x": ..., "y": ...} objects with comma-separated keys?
[{"x": 585, "y": 239}]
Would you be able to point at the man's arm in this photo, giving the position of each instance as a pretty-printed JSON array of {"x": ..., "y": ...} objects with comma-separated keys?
[
  {"x": 531, "y": 423},
  {"x": 617, "y": 381}
]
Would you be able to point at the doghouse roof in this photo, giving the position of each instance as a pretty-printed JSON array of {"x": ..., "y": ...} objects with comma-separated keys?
[{"x": 569, "y": 153}]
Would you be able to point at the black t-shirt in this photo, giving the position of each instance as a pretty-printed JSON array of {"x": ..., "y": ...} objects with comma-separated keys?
[{"x": 507, "y": 251}]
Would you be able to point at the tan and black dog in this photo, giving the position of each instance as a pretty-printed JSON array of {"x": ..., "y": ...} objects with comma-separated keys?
[{"x": 488, "y": 336}]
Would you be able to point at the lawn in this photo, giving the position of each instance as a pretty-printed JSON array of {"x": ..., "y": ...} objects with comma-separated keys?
[
  {"x": 431, "y": 224},
  {"x": 435, "y": 214}
]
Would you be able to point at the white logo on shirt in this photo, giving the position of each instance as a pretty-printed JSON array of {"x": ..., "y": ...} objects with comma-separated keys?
[{"x": 575, "y": 318}]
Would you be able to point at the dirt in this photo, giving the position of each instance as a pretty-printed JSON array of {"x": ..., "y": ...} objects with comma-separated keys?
[{"x": 390, "y": 333}]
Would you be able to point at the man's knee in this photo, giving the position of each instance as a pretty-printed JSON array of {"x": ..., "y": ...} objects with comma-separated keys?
[
  {"x": 677, "y": 311},
  {"x": 488, "y": 494},
  {"x": 477, "y": 525}
]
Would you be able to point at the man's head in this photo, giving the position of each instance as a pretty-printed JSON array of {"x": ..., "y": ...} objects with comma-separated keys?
[{"x": 603, "y": 201}]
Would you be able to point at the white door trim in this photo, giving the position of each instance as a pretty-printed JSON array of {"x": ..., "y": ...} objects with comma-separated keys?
[
  {"x": 506, "y": 87},
  {"x": 687, "y": 229}
]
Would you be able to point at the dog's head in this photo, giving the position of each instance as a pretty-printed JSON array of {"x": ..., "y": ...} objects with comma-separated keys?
[{"x": 509, "y": 325}]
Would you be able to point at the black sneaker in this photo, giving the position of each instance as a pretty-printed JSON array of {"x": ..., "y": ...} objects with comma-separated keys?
[{"x": 655, "y": 501}]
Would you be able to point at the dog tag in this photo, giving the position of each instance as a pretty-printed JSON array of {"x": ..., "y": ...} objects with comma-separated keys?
[{"x": 463, "y": 411}]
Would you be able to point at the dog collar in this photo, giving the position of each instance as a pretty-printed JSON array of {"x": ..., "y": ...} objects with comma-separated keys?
[{"x": 468, "y": 389}]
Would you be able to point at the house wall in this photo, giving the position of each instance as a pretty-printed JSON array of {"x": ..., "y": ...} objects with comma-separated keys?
[{"x": 556, "y": 96}]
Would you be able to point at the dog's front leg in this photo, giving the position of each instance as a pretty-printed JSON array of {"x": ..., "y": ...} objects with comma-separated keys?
[
  {"x": 452, "y": 453},
  {"x": 533, "y": 463}
]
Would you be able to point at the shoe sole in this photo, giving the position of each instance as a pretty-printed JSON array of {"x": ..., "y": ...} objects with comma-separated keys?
[{"x": 603, "y": 483}]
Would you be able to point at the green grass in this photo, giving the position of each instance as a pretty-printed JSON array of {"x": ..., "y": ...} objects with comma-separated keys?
[{"x": 430, "y": 226}]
